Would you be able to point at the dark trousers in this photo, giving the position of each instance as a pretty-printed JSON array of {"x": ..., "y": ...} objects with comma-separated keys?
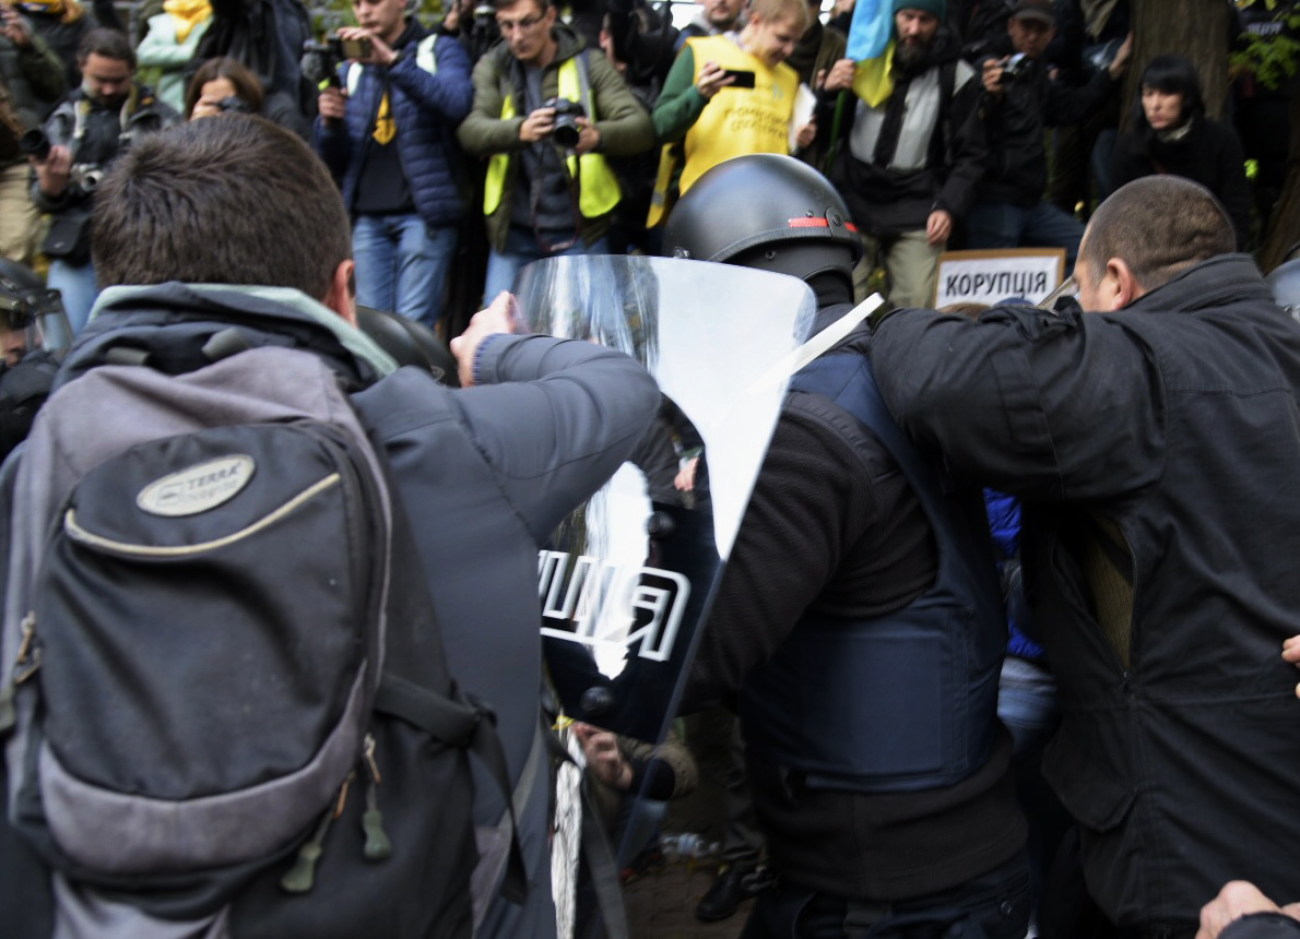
[{"x": 992, "y": 906}]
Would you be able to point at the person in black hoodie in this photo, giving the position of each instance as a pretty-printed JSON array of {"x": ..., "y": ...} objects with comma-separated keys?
[{"x": 1171, "y": 134}]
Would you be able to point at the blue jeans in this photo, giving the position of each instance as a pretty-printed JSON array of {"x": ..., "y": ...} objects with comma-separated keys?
[
  {"x": 76, "y": 283},
  {"x": 522, "y": 249},
  {"x": 402, "y": 264},
  {"x": 1002, "y": 225}
]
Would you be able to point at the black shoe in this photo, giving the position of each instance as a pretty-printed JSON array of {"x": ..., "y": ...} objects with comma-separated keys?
[{"x": 734, "y": 884}]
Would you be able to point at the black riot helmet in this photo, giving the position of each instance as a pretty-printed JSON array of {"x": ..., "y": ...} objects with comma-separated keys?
[
  {"x": 28, "y": 306},
  {"x": 765, "y": 211},
  {"x": 1284, "y": 281}
]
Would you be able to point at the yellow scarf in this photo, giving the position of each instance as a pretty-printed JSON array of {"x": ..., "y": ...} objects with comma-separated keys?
[
  {"x": 873, "y": 80},
  {"x": 187, "y": 14}
]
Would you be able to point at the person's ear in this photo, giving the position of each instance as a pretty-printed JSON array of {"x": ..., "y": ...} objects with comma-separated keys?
[
  {"x": 1124, "y": 287},
  {"x": 342, "y": 294}
]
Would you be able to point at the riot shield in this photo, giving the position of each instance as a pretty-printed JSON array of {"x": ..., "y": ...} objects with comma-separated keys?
[{"x": 626, "y": 582}]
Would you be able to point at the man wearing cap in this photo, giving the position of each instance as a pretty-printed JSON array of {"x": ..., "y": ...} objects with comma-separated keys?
[
  {"x": 907, "y": 148},
  {"x": 1020, "y": 98}
]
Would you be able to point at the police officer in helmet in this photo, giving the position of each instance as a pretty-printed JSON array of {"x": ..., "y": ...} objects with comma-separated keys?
[
  {"x": 859, "y": 627},
  {"x": 26, "y": 367}
]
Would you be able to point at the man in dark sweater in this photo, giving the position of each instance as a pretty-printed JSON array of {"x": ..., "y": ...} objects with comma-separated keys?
[{"x": 867, "y": 691}]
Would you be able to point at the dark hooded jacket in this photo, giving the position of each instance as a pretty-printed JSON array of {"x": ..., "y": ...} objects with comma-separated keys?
[
  {"x": 887, "y": 190},
  {"x": 1156, "y": 451}
]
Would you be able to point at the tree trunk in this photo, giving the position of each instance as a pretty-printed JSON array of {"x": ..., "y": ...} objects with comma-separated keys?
[
  {"x": 1284, "y": 226},
  {"x": 1194, "y": 29}
]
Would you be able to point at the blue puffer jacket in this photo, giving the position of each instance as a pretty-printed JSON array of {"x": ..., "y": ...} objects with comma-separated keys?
[{"x": 427, "y": 106}]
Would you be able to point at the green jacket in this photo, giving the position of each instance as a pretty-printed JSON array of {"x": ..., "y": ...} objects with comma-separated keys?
[
  {"x": 34, "y": 76},
  {"x": 623, "y": 123}
]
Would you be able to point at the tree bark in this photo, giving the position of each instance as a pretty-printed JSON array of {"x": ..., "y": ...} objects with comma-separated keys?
[{"x": 1284, "y": 226}]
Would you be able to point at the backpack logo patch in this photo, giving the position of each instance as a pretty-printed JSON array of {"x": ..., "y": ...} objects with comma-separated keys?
[{"x": 197, "y": 488}]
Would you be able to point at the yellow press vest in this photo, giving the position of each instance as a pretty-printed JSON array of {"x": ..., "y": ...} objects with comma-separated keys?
[
  {"x": 735, "y": 122},
  {"x": 598, "y": 190}
]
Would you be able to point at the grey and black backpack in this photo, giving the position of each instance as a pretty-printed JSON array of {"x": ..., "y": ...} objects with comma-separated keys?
[{"x": 225, "y": 705}]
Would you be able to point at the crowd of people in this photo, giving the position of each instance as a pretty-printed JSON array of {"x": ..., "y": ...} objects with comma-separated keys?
[
  {"x": 1123, "y": 765},
  {"x": 484, "y": 141}
]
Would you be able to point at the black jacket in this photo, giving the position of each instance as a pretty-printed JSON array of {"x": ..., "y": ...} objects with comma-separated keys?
[
  {"x": 884, "y": 199},
  {"x": 834, "y": 529},
  {"x": 1016, "y": 167},
  {"x": 1210, "y": 154},
  {"x": 1155, "y": 447}
]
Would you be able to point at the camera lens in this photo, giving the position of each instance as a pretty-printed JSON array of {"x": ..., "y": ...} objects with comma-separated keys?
[{"x": 566, "y": 132}]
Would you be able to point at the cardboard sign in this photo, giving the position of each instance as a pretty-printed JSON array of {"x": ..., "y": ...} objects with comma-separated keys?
[{"x": 992, "y": 276}]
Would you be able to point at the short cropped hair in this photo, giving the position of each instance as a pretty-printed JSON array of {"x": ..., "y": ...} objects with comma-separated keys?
[
  {"x": 229, "y": 200},
  {"x": 110, "y": 43},
  {"x": 1159, "y": 226},
  {"x": 247, "y": 87},
  {"x": 772, "y": 10}
]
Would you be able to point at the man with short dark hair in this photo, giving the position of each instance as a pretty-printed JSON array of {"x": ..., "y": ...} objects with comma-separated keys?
[
  {"x": 1155, "y": 444},
  {"x": 483, "y": 475},
  {"x": 548, "y": 191},
  {"x": 87, "y": 132},
  {"x": 388, "y": 136}
]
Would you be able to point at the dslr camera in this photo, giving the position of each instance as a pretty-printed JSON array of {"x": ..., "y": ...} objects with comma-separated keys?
[
  {"x": 1016, "y": 69},
  {"x": 320, "y": 60},
  {"x": 233, "y": 104},
  {"x": 86, "y": 176},
  {"x": 34, "y": 143},
  {"x": 566, "y": 121}
]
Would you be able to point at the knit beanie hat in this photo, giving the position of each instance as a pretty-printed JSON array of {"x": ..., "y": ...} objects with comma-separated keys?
[{"x": 938, "y": 8}]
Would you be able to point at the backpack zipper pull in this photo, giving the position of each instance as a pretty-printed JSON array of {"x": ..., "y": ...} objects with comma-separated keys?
[
  {"x": 378, "y": 846},
  {"x": 302, "y": 876},
  {"x": 26, "y": 664}
]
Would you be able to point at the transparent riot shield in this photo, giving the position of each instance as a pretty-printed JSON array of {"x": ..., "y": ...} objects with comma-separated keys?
[{"x": 626, "y": 582}]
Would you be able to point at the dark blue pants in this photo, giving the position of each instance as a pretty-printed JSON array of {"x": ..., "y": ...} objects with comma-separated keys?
[{"x": 992, "y": 906}]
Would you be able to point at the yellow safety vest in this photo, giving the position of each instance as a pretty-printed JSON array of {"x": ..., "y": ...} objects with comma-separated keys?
[
  {"x": 598, "y": 190},
  {"x": 735, "y": 122}
]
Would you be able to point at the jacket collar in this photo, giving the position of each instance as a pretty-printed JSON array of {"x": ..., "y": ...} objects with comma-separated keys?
[
  {"x": 1227, "y": 278},
  {"x": 265, "y": 310}
]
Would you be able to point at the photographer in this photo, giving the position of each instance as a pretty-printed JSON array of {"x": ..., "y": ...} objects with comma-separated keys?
[
  {"x": 1020, "y": 98},
  {"x": 86, "y": 132},
  {"x": 546, "y": 111},
  {"x": 222, "y": 85},
  {"x": 26, "y": 366},
  {"x": 385, "y": 130}
]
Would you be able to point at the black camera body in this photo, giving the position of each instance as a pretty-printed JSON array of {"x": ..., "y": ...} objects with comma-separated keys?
[
  {"x": 233, "y": 104},
  {"x": 567, "y": 112},
  {"x": 1017, "y": 69},
  {"x": 320, "y": 60},
  {"x": 86, "y": 177},
  {"x": 34, "y": 143}
]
